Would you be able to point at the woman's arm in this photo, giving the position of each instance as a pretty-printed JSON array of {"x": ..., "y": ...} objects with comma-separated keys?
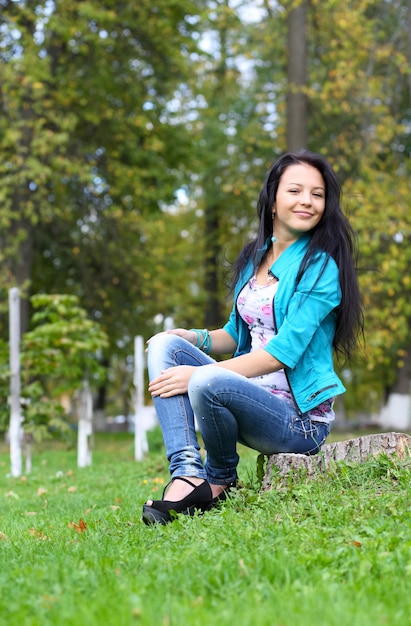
[
  {"x": 222, "y": 342},
  {"x": 174, "y": 380},
  {"x": 255, "y": 363}
]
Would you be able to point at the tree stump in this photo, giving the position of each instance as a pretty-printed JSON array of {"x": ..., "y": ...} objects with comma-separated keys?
[{"x": 352, "y": 450}]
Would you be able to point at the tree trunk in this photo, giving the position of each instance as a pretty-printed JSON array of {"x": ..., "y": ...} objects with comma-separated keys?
[
  {"x": 212, "y": 316},
  {"x": 297, "y": 78},
  {"x": 23, "y": 211},
  {"x": 21, "y": 264},
  {"x": 357, "y": 450}
]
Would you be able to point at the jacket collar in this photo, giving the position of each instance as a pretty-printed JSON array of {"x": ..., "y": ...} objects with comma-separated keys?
[{"x": 293, "y": 252}]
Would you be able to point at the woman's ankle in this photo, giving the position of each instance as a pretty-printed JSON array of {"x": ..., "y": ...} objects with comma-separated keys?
[{"x": 217, "y": 490}]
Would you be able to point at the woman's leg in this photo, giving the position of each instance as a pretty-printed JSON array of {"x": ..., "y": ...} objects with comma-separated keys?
[
  {"x": 230, "y": 409},
  {"x": 175, "y": 414}
]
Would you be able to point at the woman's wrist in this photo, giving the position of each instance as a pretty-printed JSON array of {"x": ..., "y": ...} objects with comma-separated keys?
[{"x": 203, "y": 339}]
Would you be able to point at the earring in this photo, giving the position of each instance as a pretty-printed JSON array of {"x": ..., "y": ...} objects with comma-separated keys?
[{"x": 273, "y": 238}]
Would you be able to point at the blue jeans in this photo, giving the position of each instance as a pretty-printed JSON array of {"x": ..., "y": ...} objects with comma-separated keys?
[{"x": 229, "y": 409}]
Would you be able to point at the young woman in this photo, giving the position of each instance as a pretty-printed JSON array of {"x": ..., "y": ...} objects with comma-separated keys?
[{"x": 296, "y": 299}]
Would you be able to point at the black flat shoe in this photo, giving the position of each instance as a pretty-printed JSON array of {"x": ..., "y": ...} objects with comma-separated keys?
[{"x": 164, "y": 511}]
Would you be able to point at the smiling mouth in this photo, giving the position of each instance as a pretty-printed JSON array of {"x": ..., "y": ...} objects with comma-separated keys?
[{"x": 303, "y": 214}]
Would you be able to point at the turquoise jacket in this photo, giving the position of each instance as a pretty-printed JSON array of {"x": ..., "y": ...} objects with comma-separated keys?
[{"x": 304, "y": 319}]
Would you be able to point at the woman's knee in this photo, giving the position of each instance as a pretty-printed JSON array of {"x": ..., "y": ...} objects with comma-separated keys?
[
  {"x": 161, "y": 343},
  {"x": 205, "y": 381},
  {"x": 159, "y": 349}
]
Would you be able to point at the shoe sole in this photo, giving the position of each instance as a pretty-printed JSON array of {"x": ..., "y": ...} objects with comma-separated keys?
[{"x": 153, "y": 516}]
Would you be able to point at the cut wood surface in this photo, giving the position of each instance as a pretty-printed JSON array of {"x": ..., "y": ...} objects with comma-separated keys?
[{"x": 351, "y": 450}]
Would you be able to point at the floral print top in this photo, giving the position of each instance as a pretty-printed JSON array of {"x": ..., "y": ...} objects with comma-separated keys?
[{"x": 255, "y": 306}]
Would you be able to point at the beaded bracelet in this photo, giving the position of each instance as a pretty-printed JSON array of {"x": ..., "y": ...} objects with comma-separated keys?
[{"x": 204, "y": 341}]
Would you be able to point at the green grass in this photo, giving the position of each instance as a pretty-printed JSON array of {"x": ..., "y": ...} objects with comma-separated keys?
[{"x": 331, "y": 552}]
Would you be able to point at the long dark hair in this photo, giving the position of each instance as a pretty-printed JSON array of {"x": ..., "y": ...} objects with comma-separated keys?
[{"x": 332, "y": 235}]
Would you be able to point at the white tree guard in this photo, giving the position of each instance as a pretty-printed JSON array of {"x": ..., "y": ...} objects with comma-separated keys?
[
  {"x": 15, "y": 430},
  {"x": 85, "y": 426},
  {"x": 140, "y": 431},
  {"x": 395, "y": 414}
]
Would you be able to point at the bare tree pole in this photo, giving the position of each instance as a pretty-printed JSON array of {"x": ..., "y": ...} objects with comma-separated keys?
[
  {"x": 85, "y": 426},
  {"x": 15, "y": 384},
  {"x": 140, "y": 435},
  {"x": 297, "y": 78}
]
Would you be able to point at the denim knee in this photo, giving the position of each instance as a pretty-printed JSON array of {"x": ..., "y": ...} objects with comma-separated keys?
[
  {"x": 160, "y": 342},
  {"x": 201, "y": 379}
]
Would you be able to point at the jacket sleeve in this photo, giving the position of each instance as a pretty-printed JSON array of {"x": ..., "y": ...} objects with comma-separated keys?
[
  {"x": 310, "y": 304},
  {"x": 231, "y": 326}
]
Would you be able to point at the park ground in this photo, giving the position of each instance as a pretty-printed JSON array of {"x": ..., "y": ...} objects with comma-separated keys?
[{"x": 335, "y": 551}]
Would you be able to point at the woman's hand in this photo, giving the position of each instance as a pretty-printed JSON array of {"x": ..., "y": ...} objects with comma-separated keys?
[
  {"x": 172, "y": 382},
  {"x": 189, "y": 335}
]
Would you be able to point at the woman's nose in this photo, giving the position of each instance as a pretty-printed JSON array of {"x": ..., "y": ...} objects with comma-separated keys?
[{"x": 305, "y": 198}]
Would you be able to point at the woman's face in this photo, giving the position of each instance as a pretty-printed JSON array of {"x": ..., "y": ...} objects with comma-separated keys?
[{"x": 299, "y": 203}]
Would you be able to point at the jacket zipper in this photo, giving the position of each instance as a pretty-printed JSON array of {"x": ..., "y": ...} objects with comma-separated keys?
[{"x": 314, "y": 395}]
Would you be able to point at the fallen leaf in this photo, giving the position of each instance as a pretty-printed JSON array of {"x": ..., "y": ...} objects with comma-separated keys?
[
  {"x": 23, "y": 479},
  {"x": 48, "y": 600},
  {"x": 243, "y": 568},
  {"x": 41, "y": 490},
  {"x": 3, "y": 537},
  {"x": 113, "y": 507},
  {"x": 37, "y": 533},
  {"x": 80, "y": 527},
  {"x": 69, "y": 473},
  {"x": 11, "y": 494},
  {"x": 357, "y": 544},
  {"x": 31, "y": 513},
  {"x": 72, "y": 489}
]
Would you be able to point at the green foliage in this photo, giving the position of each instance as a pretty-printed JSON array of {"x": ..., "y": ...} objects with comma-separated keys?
[
  {"x": 44, "y": 417},
  {"x": 261, "y": 464},
  {"x": 57, "y": 355},
  {"x": 63, "y": 344},
  {"x": 89, "y": 144},
  {"x": 111, "y": 110}
]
